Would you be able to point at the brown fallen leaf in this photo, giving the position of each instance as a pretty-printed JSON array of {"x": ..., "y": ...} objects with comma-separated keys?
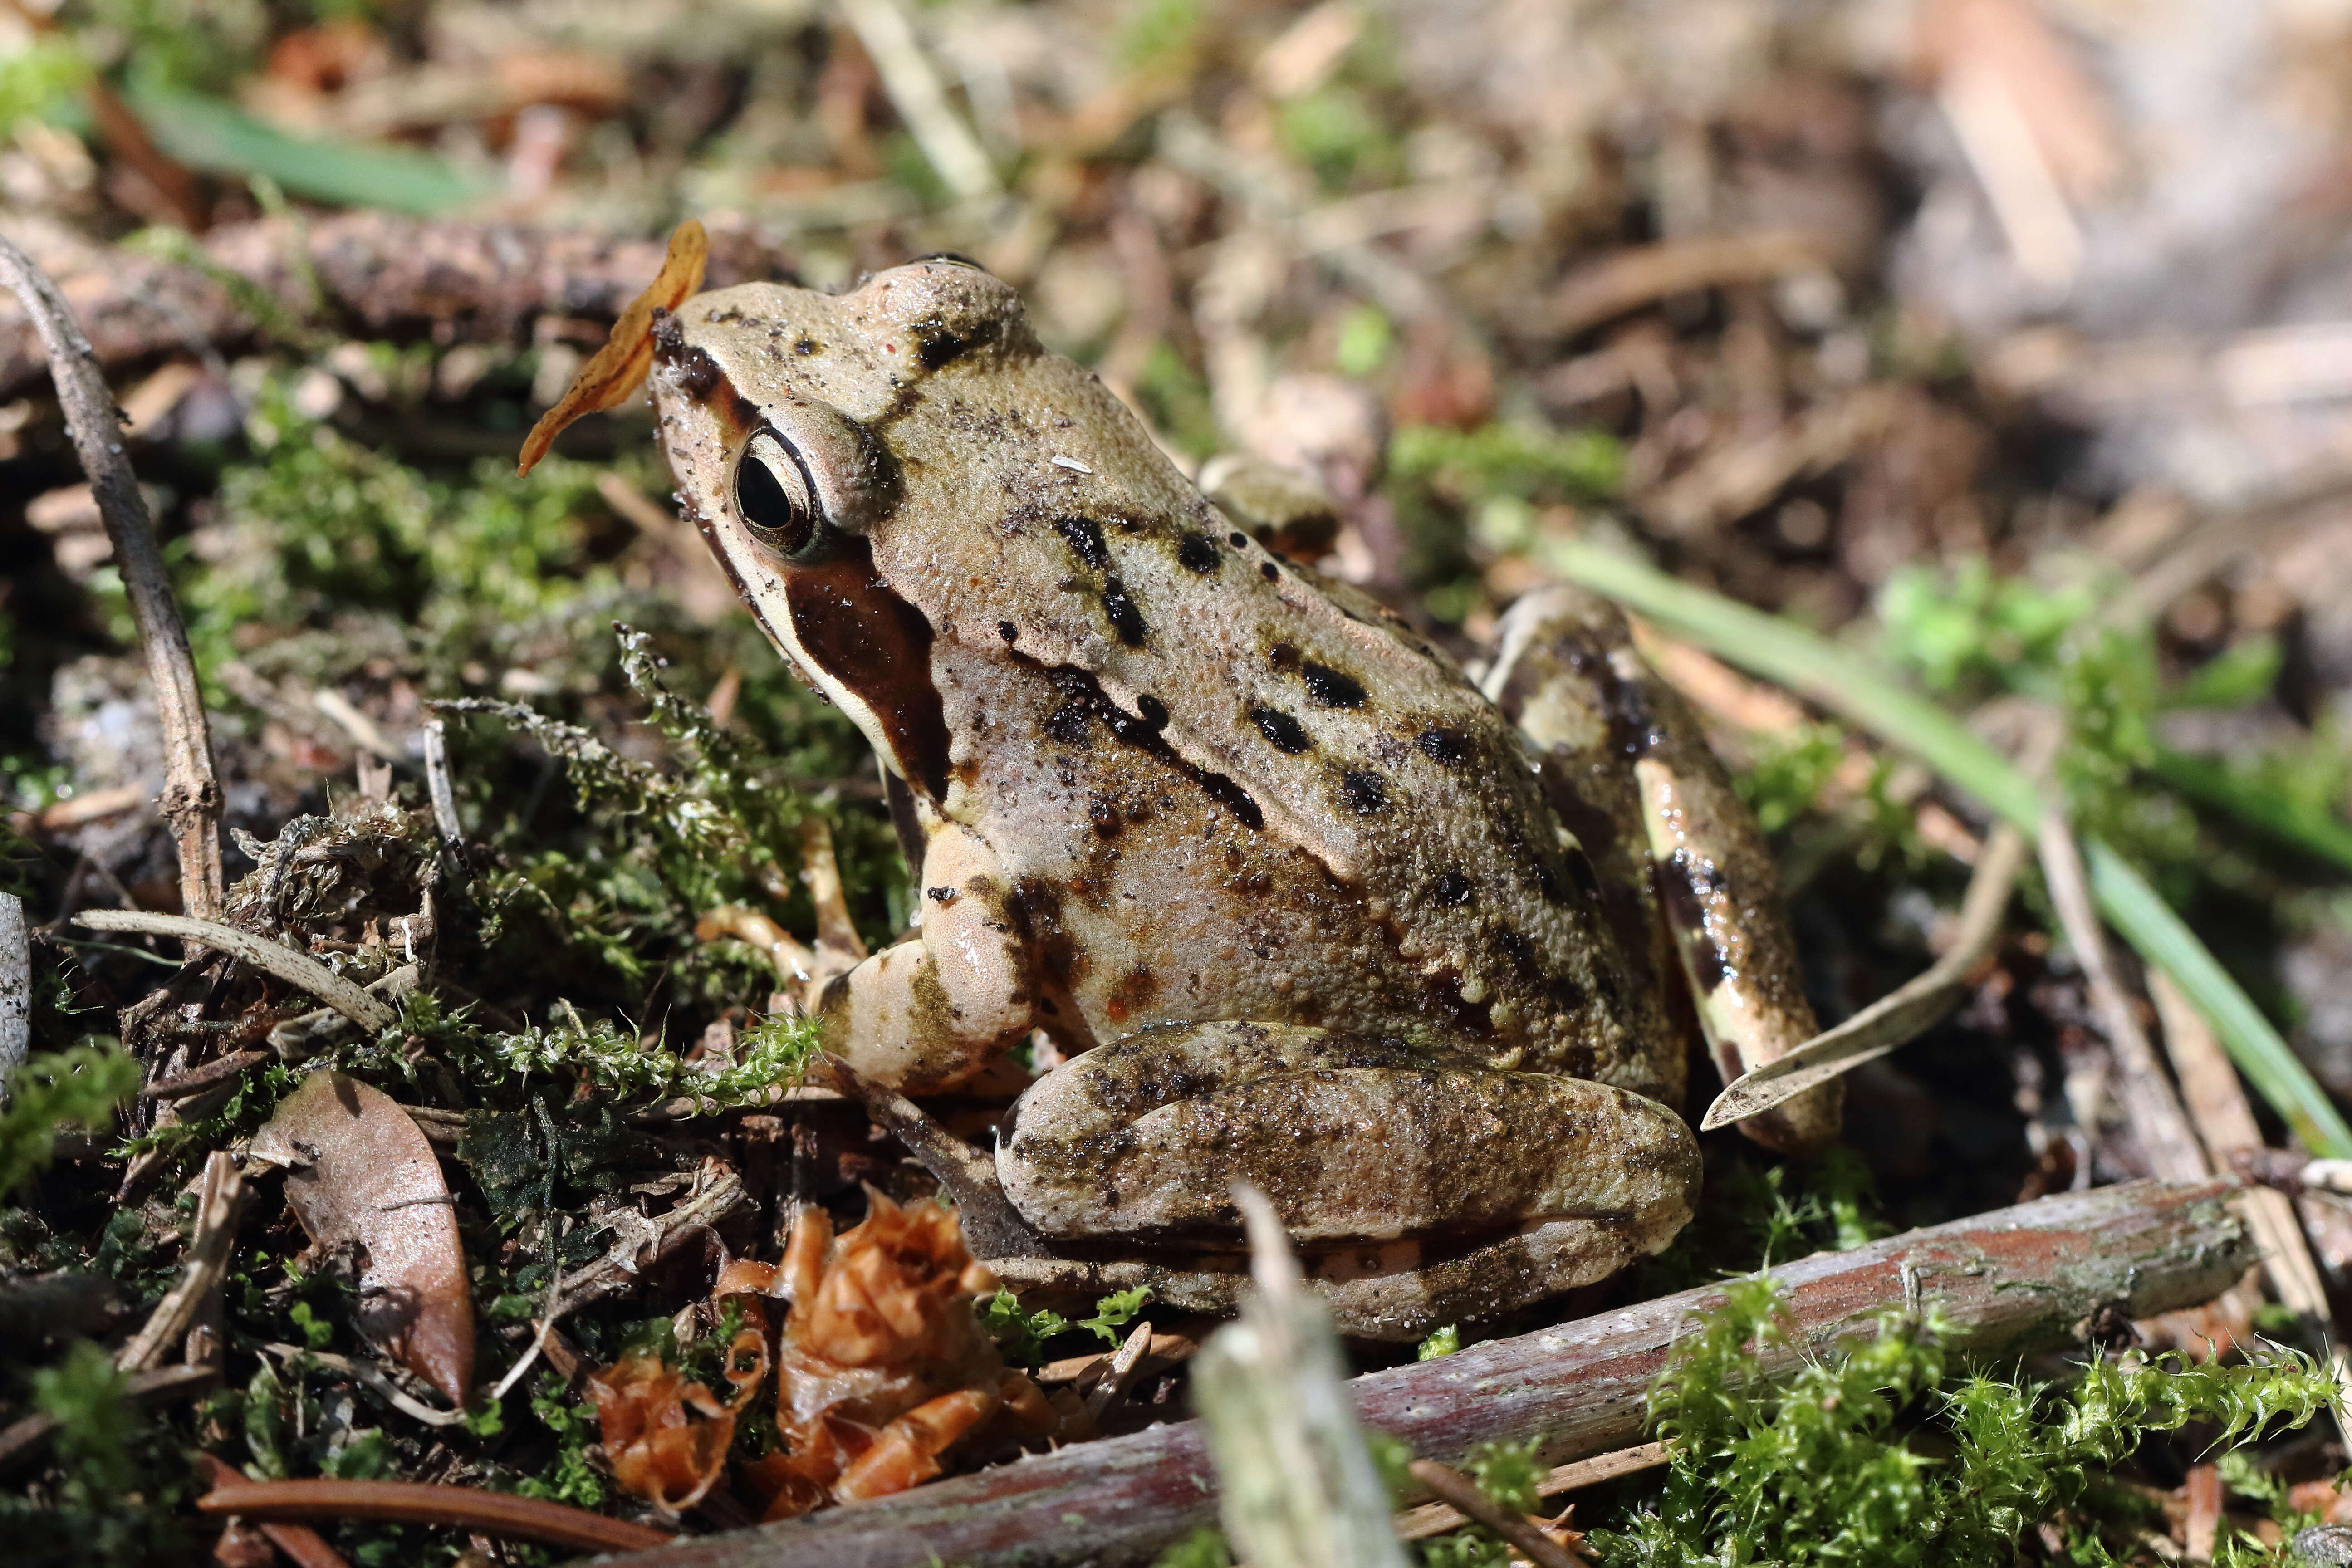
[
  {"x": 359, "y": 1171},
  {"x": 621, "y": 366}
]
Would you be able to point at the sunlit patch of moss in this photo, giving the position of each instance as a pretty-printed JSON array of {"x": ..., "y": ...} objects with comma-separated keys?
[
  {"x": 1506, "y": 458},
  {"x": 1881, "y": 1455},
  {"x": 1336, "y": 132}
]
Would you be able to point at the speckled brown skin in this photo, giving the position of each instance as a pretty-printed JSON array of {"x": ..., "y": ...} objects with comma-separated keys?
[
  {"x": 1687, "y": 876},
  {"x": 1171, "y": 788}
]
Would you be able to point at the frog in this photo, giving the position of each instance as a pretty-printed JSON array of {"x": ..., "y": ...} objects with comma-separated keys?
[{"x": 1415, "y": 948}]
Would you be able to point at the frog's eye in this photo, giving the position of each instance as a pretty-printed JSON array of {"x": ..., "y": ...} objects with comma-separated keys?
[{"x": 774, "y": 496}]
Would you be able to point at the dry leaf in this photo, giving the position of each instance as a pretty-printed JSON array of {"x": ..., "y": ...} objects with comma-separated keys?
[
  {"x": 657, "y": 1451},
  {"x": 620, "y": 367},
  {"x": 360, "y": 1171},
  {"x": 883, "y": 1366}
]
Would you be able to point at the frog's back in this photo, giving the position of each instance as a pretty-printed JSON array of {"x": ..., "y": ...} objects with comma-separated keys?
[{"x": 1220, "y": 791}]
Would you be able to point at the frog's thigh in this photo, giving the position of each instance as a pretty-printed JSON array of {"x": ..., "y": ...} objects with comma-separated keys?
[
  {"x": 1352, "y": 1140},
  {"x": 931, "y": 1011},
  {"x": 1567, "y": 651}
]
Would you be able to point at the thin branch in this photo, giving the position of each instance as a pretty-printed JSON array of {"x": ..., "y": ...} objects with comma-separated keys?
[
  {"x": 2149, "y": 1101},
  {"x": 921, "y": 99},
  {"x": 207, "y": 1259},
  {"x": 2217, "y": 1103},
  {"x": 408, "y": 1503},
  {"x": 2005, "y": 1282},
  {"x": 1436, "y": 1518},
  {"x": 20, "y": 1439},
  {"x": 191, "y": 794},
  {"x": 298, "y": 969},
  {"x": 1458, "y": 1491},
  {"x": 16, "y": 988}
]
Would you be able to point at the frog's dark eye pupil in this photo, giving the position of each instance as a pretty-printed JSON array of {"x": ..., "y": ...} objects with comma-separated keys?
[{"x": 772, "y": 496}]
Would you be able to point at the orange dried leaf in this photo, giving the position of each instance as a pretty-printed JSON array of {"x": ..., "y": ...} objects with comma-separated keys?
[
  {"x": 620, "y": 367},
  {"x": 907, "y": 1453},
  {"x": 657, "y": 1451},
  {"x": 359, "y": 1171}
]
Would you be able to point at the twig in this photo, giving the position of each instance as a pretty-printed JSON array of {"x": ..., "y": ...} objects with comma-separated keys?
[
  {"x": 641, "y": 1249},
  {"x": 921, "y": 99},
  {"x": 1630, "y": 278},
  {"x": 20, "y": 1439},
  {"x": 2217, "y": 1102},
  {"x": 1298, "y": 1485},
  {"x": 2154, "y": 1110},
  {"x": 215, "y": 1229},
  {"x": 16, "y": 988},
  {"x": 383, "y": 275},
  {"x": 192, "y": 795},
  {"x": 303, "y": 1545},
  {"x": 1900, "y": 1016},
  {"x": 438, "y": 784},
  {"x": 1458, "y": 1490},
  {"x": 1436, "y": 1518},
  {"x": 298, "y": 969},
  {"x": 2004, "y": 1281},
  {"x": 195, "y": 1080},
  {"x": 410, "y": 1502},
  {"x": 374, "y": 1379},
  {"x": 992, "y": 1226}
]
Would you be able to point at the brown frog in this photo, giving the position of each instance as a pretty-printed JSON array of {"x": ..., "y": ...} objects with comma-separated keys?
[{"x": 1307, "y": 906}]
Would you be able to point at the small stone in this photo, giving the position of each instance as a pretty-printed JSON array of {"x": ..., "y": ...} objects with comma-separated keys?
[{"x": 2323, "y": 1546}]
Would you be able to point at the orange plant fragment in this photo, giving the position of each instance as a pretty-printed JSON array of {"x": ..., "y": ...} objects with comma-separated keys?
[
  {"x": 881, "y": 1369},
  {"x": 883, "y": 1366},
  {"x": 620, "y": 367},
  {"x": 657, "y": 1451}
]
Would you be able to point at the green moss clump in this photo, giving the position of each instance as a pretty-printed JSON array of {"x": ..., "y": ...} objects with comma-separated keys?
[{"x": 1884, "y": 1458}]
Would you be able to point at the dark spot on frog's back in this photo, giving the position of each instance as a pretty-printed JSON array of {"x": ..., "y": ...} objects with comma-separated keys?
[
  {"x": 1365, "y": 793},
  {"x": 1329, "y": 688},
  {"x": 1287, "y": 733},
  {"x": 937, "y": 344},
  {"x": 1085, "y": 537},
  {"x": 1453, "y": 889},
  {"x": 807, "y": 346},
  {"x": 862, "y": 633},
  {"x": 1443, "y": 746},
  {"x": 1195, "y": 553},
  {"x": 1118, "y": 608}
]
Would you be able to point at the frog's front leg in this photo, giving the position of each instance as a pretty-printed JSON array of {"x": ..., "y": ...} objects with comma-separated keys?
[
  {"x": 1357, "y": 1143},
  {"x": 931, "y": 1011},
  {"x": 1625, "y": 758}
]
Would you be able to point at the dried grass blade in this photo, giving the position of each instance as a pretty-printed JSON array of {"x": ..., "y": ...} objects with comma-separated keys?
[
  {"x": 410, "y": 1502},
  {"x": 1899, "y": 1016},
  {"x": 298, "y": 969}
]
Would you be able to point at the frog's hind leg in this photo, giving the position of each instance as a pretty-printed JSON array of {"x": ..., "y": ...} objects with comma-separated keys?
[
  {"x": 1394, "y": 1169},
  {"x": 1625, "y": 761}
]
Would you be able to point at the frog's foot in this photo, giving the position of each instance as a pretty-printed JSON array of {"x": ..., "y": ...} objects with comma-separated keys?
[
  {"x": 1567, "y": 673},
  {"x": 1405, "y": 1177}
]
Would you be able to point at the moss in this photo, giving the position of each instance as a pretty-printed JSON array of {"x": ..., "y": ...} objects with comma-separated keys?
[{"x": 1886, "y": 1456}]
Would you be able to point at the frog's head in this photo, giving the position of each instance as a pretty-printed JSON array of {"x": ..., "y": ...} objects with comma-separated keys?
[{"x": 899, "y": 463}]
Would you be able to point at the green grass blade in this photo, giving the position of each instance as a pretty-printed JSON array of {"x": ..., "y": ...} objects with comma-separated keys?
[
  {"x": 1812, "y": 666},
  {"x": 2148, "y": 923},
  {"x": 2290, "y": 822},
  {"x": 1844, "y": 683},
  {"x": 210, "y": 134}
]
